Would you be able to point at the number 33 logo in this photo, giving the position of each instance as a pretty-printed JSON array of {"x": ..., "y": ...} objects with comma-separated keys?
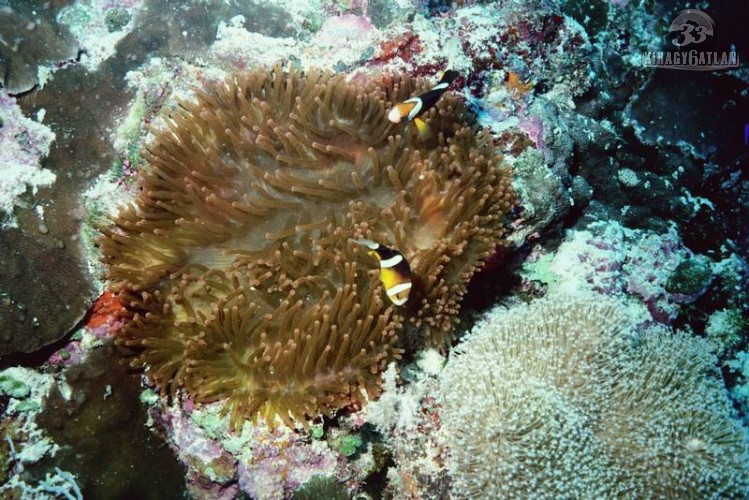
[{"x": 688, "y": 33}]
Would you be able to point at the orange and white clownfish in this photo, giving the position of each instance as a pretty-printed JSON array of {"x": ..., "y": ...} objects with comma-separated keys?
[
  {"x": 395, "y": 273},
  {"x": 411, "y": 109}
]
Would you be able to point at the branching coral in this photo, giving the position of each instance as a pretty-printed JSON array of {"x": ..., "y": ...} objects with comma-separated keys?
[
  {"x": 561, "y": 399},
  {"x": 234, "y": 262}
]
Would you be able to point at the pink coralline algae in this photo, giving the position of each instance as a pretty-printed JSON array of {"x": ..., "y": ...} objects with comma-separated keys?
[
  {"x": 614, "y": 260},
  {"x": 101, "y": 323},
  {"x": 651, "y": 259},
  {"x": 263, "y": 462},
  {"x": 210, "y": 468},
  {"x": 401, "y": 47},
  {"x": 602, "y": 257},
  {"x": 533, "y": 126},
  {"x": 80, "y": 344},
  {"x": 408, "y": 415},
  {"x": 340, "y": 31},
  {"x": 280, "y": 462},
  {"x": 478, "y": 40}
]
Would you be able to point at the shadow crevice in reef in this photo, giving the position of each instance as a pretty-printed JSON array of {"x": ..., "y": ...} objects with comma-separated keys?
[{"x": 104, "y": 401}]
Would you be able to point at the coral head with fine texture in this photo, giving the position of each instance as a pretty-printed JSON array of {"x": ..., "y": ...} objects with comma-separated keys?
[{"x": 564, "y": 398}]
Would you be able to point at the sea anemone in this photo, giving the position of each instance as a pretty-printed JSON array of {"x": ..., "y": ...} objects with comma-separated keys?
[{"x": 234, "y": 263}]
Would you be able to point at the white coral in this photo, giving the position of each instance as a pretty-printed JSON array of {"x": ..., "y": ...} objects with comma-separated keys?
[{"x": 561, "y": 399}]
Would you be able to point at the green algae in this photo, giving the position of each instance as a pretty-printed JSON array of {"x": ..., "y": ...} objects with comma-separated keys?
[
  {"x": 149, "y": 397},
  {"x": 348, "y": 444},
  {"x": 690, "y": 277},
  {"x": 28, "y": 407},
  {"x": 212, "y": 422},
  {"x": 13, "y": 387},
  {"x": 316, "y": 431},
  {"x": 321, "y": 487},
  {"x": 117, "y": 18},
  {"x": 540, "y": 270}
]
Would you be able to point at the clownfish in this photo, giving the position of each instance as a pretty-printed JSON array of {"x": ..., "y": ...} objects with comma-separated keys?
[
  {"x": 411, "y": 109},
  {"x": 395, "y": 273}
]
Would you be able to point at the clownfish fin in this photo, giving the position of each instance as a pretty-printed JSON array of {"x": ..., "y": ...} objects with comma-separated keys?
[
  {"x": 449, "y": 76},
  {"x": 365, "y": 243},
  {"x": 425, "y": 131}
]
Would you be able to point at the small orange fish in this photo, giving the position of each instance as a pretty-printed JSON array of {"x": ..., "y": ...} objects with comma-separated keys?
[{"x": 516, "y": 85}]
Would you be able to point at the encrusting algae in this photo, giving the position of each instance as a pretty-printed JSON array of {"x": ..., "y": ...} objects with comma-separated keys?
[{"x": 235, "y": 265}]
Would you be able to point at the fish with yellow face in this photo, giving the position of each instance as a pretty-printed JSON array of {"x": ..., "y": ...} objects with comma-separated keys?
[
  {"x": 411, "y": 109},
  {"x": 395, "y": 272}
]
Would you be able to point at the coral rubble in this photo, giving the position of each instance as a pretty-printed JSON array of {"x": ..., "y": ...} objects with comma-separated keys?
[{"x": 234, "y": 263}]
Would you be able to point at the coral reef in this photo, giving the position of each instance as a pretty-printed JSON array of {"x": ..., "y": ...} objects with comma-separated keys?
[
  {"x": 655, "y": 267},
  {"x": 32, "y": 39},
  {"x": 53, "y": 419},
  {"x": 23, "y": 443},
  {"x": 562, "y": 398},
  {"x": 44, "y": 292},
  {"x": 24, "y": 143},
  {"x": 542, "y": 196},
  {"x": 235, "y": 265},
  {"x": 321, "y": 487},
  {"x": 725, "y": 329},
  {"x": 739, "y": 366},
  {"x": 98, "y": 26},
  {"x": 613, "y": 260},
  {"x": 45, "y": 281},
  {"x": 261, "y": 461},
  {"x": 95, "y": 398},
  {"x": 690, "y": 279},
  {"x": 627, "y": 184},
  {"x": 409, "y": 417}
]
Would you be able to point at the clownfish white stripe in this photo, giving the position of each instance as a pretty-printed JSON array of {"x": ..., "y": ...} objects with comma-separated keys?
[
  {"x": 418, "y": 103},
  {"x": 392, "y": 261},
  {"x": 395, "y": 115},
  {"x": 396, "y": 290},
  {"x": 398, "y": 301}
]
